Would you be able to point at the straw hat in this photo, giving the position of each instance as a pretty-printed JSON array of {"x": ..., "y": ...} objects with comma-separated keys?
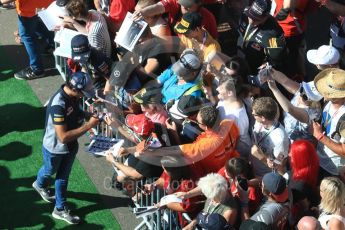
[{"x": 331, "y": 83}]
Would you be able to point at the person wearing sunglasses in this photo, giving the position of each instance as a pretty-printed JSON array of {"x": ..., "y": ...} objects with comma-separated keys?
[
  {"x": 303, "y": 108},
  {"x": 181, "y": 78},
  {"x": 211, "y": 149}
]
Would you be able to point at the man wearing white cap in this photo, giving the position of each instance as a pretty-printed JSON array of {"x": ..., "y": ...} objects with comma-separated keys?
[{"x": 324, "y": 57}]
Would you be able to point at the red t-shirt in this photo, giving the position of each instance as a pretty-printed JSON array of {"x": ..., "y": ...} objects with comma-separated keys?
[
  {"x": 254, "y": 195},
  {"x": 295, "y": 23},
  {"x": 174, "y": 10},
  {"x": 118, "y": 10},
  {"x": 191, "y": 205},
  {"x": 28, "y": 8}
]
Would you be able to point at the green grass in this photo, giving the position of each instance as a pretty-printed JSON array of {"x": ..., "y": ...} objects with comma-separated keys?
[{"x": 21, "y": 131}]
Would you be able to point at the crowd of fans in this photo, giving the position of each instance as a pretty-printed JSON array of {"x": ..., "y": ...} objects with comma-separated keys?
[{"x": 232, "y": 127}]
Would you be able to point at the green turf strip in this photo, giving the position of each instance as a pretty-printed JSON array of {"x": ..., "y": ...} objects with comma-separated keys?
[{"x": 21, "y": 131}]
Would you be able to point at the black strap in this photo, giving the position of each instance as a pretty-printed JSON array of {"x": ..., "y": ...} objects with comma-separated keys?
[{"x": 276, "y": 125}]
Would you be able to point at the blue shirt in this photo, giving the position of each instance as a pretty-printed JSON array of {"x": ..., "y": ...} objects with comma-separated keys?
[{"x": 171, "y": 90}]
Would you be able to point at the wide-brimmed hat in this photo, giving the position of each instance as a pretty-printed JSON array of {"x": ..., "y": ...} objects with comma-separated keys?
[{"x": 331, "y": 83}]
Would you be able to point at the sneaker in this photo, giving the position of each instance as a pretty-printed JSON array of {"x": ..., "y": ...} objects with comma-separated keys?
[
  {"x": 8, "y": 6},
  {"x": 28, "y": 74},
  {"x": 66, "y": 216},
  {"x": 45, "y": 193}
]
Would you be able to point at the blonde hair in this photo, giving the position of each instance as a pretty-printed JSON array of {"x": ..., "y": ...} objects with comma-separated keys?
[
  {"x": 333, "y": 195},
  {"x": 213, "y": 186}
]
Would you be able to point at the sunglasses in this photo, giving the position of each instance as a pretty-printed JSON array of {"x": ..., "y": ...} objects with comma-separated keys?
[
  {"x": 186, "y": 64},
  {"x": 303, "y": 94}
]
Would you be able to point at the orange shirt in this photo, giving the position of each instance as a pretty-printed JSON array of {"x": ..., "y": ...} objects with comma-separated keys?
[
  {"x": 27, "y": 8},
  {"x": 211, "y": 150}
]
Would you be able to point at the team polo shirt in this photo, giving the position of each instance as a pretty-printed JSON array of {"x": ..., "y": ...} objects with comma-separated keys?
[
  {"x": 209, "y": 45},
  {"x": 211, "y": 150},
  {"x": 171, "y": 90},
  {"x": 61, "y": 110},
  {"x": 174, "y": 11}
]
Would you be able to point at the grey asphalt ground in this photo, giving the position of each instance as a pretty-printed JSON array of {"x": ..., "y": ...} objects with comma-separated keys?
[{"x": 99, "y": 171}]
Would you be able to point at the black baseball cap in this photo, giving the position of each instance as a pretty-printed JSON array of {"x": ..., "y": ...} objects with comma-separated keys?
[
  {"x": 100, "y": 62},
  {"x": 149, "y": 95},
  {"x": 188, "y": 3},
  {"x": 253, "y": 225},
  {"x": 258, "y": 10},
  {"x": 81, "y": 48},
  {"x": 61, "y": 3},
  {"x": 190, "y": 21},
  {"x": 188, "y": 105}
]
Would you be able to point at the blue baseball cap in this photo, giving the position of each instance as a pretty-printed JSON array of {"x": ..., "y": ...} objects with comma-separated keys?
[
  {"x": 212, "y": 221},
  {"x": 82, "y": 82},
  {"x": 81, "y": 48}
]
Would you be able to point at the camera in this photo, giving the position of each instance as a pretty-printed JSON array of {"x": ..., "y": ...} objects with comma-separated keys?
[
  {"x": 99, "y": 115},
  {"x": 242, "y": 182}
]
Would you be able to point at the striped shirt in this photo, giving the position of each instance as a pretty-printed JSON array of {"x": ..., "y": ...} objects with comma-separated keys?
[{"x": 98, "y": 34}]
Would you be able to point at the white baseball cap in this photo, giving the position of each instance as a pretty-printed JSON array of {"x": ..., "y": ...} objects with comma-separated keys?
[
  {"x": 324, "y": 55},
  {"x": 311, "y": 91}
]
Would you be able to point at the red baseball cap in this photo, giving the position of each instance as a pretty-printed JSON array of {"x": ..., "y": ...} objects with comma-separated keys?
[{"x": 139, "y": 124}]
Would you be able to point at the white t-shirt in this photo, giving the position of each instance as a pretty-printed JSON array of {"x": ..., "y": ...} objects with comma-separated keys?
[
  {"x": 329, "y": 160},
  {"x": 273, "y": 142},
  {"x": 324, "y": 218},
  {"x": 159, "y": 23},
  {"x": 241, "y": 119}
]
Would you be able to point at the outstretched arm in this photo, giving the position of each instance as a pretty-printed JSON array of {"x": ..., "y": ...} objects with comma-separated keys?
[
  {"x": 284, "y": 81},
  {"x": 149, "y": 11},
  {"x": 298, "y": 113}
]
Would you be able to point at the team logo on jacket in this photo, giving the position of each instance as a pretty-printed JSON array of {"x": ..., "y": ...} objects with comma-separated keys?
[
  {"x": 256, "y": 46},
  {"x": 69, "y": 110}
]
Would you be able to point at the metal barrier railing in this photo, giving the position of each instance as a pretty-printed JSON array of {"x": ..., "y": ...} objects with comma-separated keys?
[{"x": 61, "y": 64}]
